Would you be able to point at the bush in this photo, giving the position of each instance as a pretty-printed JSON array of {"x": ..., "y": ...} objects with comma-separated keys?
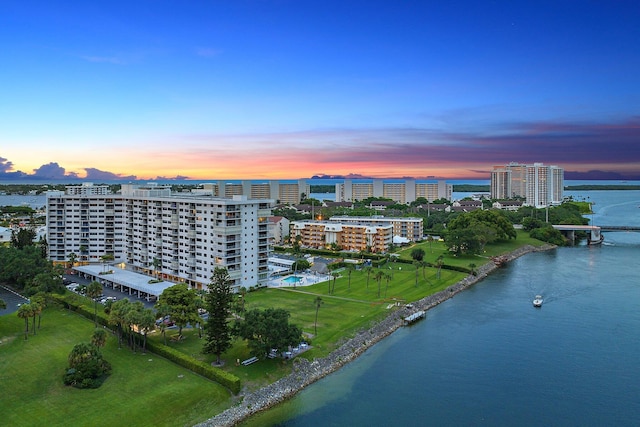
[{"x": 87, "y": 368}]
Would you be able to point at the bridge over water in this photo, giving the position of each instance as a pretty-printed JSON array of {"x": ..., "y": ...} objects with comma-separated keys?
[{"x": 594, "y": 231}]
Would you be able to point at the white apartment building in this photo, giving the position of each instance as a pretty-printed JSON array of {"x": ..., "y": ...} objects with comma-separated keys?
[
  {"x": 179, "y": 237},
  {"x": 398, "y": 190},
  {"x": 286, "y": 192},
  {"x": 410, "y": 228},
  {"x": 540, "y": 185}
]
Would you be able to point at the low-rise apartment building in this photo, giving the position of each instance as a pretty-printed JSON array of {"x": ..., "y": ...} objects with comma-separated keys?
[{"x": 349, "y": 236}]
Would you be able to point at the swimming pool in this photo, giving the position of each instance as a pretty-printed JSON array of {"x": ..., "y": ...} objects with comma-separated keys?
[{"x": 292, "y": 279}]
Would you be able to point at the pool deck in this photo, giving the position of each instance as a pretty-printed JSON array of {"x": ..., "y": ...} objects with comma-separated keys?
[{"x": 306, "y": 280}]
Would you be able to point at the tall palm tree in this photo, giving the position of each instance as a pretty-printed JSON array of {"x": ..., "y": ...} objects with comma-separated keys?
[
  {"x": 349, "y": 271},
  {"x": 335, "y": 276},
  {"x": 318, "y": 302},
  {"x": 40, "y": 301},
  {"x": 439, "y": 262},
  {"x": 416, "y": 264},
  {"x": 367, "y": 270},
  {"x": 387, "y": 277},
  {"x": 24, "y": 312},
  {"x": 94, "y": 290},
  {"x": 378, "y": 277},
  {"x": 430, "y": 240}
]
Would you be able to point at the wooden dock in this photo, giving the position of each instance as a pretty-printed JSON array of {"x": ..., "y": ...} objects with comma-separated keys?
[{"x": 415, "y": 317}]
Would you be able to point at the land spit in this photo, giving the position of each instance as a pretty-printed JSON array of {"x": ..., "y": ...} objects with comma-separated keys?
[{"x": 306, "y": 372}]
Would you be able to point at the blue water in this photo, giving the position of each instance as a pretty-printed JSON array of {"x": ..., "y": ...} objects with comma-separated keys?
[
  {"x": 292, "y": 279},
  {"x": 488, "y": 357}
]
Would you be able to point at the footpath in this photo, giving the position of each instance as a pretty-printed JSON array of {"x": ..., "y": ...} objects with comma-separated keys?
[{"x": 306, "y": 372}]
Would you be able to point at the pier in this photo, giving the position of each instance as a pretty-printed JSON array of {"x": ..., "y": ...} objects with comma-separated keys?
[{"x": 415, "y": 317}]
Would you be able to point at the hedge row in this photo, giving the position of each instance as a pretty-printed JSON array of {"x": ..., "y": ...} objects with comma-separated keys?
[
  {"x": 85, "y": 309},
  {"x": 218, "y": 375},
  {"x": 222, "y": 377}
]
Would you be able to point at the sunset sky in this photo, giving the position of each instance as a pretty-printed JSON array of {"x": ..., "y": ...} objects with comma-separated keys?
[{"x": 290, "y": 89}]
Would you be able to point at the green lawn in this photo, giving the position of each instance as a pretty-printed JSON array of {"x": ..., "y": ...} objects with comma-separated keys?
[{"x": 142, "y": 390}]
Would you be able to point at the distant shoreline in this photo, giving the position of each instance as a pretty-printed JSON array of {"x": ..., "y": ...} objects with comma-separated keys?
[{"x": 307, "y": 372}]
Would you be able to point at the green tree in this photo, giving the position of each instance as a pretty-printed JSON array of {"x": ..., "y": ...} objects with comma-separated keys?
[
  {"x": 3, "y": 304},
  {"x": 25, "y": 312},
  {"x": 182, "y": 305},
  {"x": 38, "y": 302},
  {"x": 317, "y": 302},
  {"x": 87, "y": 368},
  {"x": 117, "y": 315},
  {"x": 334, "y": 276},
  {"x": 23, "y": 238},
  {"x": 162, "y": 311},
  {"x": 267, "y": 329},
  {"x": 439, "y": 264},
  {"x": 218, "y": 303},
  {"x": 368, "y": 270},
  {"x": 94, "y": 290},
  {"x": 430, "y": 240},
  {"x": 472, "y": 267},
  {"x": 105, "y": 259},
  {"x": 349, "y": 269},
  {"x": 72, "y": 257},
  {"x": 99, "y": 337},
  {"x": 417, "y": 254},
  {"x": 378, "y": 276}
]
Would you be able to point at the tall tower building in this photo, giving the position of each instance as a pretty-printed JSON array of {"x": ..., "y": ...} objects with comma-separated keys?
[{"x": 540, "y": 185}]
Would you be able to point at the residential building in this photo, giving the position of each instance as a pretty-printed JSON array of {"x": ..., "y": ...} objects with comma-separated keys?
[
  {"x": 349, "y": 236},
  {"x": 400, "y": 191},
  {"x": 410, "y": 228},
  {"x": 148, "y": 229},
  {"x": 540, "y": 185}
]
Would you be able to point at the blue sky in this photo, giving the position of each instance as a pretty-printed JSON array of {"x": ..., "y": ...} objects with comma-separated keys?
[{"x": 284, "y": 89}]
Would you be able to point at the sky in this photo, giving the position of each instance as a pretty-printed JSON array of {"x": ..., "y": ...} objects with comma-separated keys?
[{"x": 293, "y": 89}]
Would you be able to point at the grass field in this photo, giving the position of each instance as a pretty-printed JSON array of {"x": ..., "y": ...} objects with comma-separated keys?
[
  {"x": 143, "y": 389},
  {"x": 146, "y": 390}
]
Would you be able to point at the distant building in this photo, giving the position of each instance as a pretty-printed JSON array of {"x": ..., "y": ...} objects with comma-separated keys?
[
  {"x": 540, "y": 185},
  {"x": 399, "y": 190}
]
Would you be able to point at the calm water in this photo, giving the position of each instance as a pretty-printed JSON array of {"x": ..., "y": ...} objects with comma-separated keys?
[{"x": 488, "y": 357}]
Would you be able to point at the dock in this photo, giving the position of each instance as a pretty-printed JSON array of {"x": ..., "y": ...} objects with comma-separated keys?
[{"x": 414, "y": 317}]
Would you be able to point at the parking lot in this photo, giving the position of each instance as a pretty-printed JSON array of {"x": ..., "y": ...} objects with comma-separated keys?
[{"x": 109, "y": 292}]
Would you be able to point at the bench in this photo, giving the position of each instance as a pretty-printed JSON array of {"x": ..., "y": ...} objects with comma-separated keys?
[{"x": 250, "y": 361}]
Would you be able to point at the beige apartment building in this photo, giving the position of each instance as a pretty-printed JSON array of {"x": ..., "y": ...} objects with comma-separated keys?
[
  {"x": 400, "y": 191},
  {"x": 410, "y": 228},
  {"x": 349, "y": 236}
]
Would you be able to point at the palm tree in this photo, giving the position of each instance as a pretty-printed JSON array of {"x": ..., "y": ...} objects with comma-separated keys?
[
  {"x": 94, "y": 290},
  {"x": 416, "y": 264},
  {"x": 156, "y": 264},
  {"x": 378, "y": 277},
  {"x": 24, "y": 312},
  {"x": 387, "y": 277},
  {"x": 3, "y": 304},
  {"x": 335, "y": 276},
  {"x": 72, "y": 259},
  {"x": 472, "y": 266},
  {"x": 367, "y": 270},
  {"x": 99, "y": 337},
  {"x": 318, "y": 302},
  {"x": 105, "y": 260},
  {"x": 147, "y": 323},
  {"x": 349, "y": 271},
  {"x": 41, "y": 303},
  {"x": 430, "y": 240},
  {"x": 439, "y": 262}
]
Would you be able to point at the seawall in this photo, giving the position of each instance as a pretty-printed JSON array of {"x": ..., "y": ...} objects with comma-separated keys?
[{"x": 306, "y": 372}]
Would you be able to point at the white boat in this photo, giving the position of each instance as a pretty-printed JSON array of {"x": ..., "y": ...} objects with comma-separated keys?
[{"x": 537, "y": 301}]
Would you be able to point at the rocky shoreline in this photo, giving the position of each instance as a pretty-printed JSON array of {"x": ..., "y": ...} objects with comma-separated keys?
[{"x": 306, "y": 372}]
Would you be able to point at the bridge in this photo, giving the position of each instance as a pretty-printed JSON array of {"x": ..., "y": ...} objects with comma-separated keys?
[{"x": 594, "y": 231}]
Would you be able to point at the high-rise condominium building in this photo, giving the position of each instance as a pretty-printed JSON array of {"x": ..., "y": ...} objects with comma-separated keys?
[
  {"x": 180, "y": 237},
  {"x": 540, "y": 185},
  {"x": 398, "y": 190}
]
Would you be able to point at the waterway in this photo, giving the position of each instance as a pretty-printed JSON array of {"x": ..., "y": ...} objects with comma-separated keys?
[{"x": 488, "y": 357}]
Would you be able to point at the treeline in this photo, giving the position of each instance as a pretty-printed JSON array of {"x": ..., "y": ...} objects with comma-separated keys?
[
  {"x": 601, "y": 187},
  {"x": 322, "y": 188},
  {"x": 471, "y": 188}
]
